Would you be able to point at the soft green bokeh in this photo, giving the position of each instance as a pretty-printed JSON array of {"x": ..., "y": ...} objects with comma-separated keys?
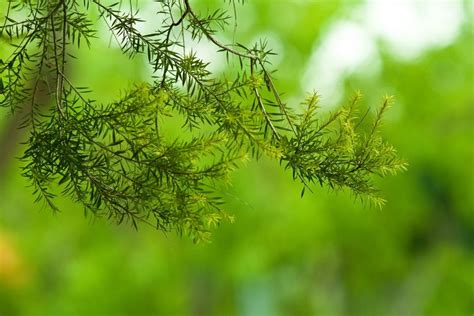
[{"x": 324, "y": 254}]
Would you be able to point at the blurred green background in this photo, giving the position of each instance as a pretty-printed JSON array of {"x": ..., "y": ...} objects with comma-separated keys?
[{"x": 324, "y": 254}]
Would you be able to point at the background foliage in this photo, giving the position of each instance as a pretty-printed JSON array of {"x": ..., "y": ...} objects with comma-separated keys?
[{"x": 325, "y": 254}]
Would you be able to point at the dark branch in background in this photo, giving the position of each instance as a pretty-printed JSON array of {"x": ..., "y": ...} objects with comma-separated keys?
[{"x": 114, "y": 159}]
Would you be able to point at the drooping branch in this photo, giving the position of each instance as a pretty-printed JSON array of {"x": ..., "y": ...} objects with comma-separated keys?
[{"x": 114, "y": 158}]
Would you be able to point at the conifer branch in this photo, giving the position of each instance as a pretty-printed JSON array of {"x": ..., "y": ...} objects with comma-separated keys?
[{"x": 114, "y": 159}]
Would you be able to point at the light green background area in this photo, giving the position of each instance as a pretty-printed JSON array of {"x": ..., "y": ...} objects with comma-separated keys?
[{"x": 323, "y": 254}]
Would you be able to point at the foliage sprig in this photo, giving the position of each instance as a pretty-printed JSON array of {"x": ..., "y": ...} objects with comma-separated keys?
[{"x": 115, "y": 159}]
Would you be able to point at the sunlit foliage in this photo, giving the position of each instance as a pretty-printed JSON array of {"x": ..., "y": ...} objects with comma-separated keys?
[{"x": 115, "y": 160}]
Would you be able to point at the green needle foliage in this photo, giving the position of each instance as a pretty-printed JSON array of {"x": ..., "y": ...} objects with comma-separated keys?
[{"x": 115, "y": 160}]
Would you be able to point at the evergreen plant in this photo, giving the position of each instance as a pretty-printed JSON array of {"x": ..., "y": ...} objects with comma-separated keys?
[{"x": 114, "y": 159}]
